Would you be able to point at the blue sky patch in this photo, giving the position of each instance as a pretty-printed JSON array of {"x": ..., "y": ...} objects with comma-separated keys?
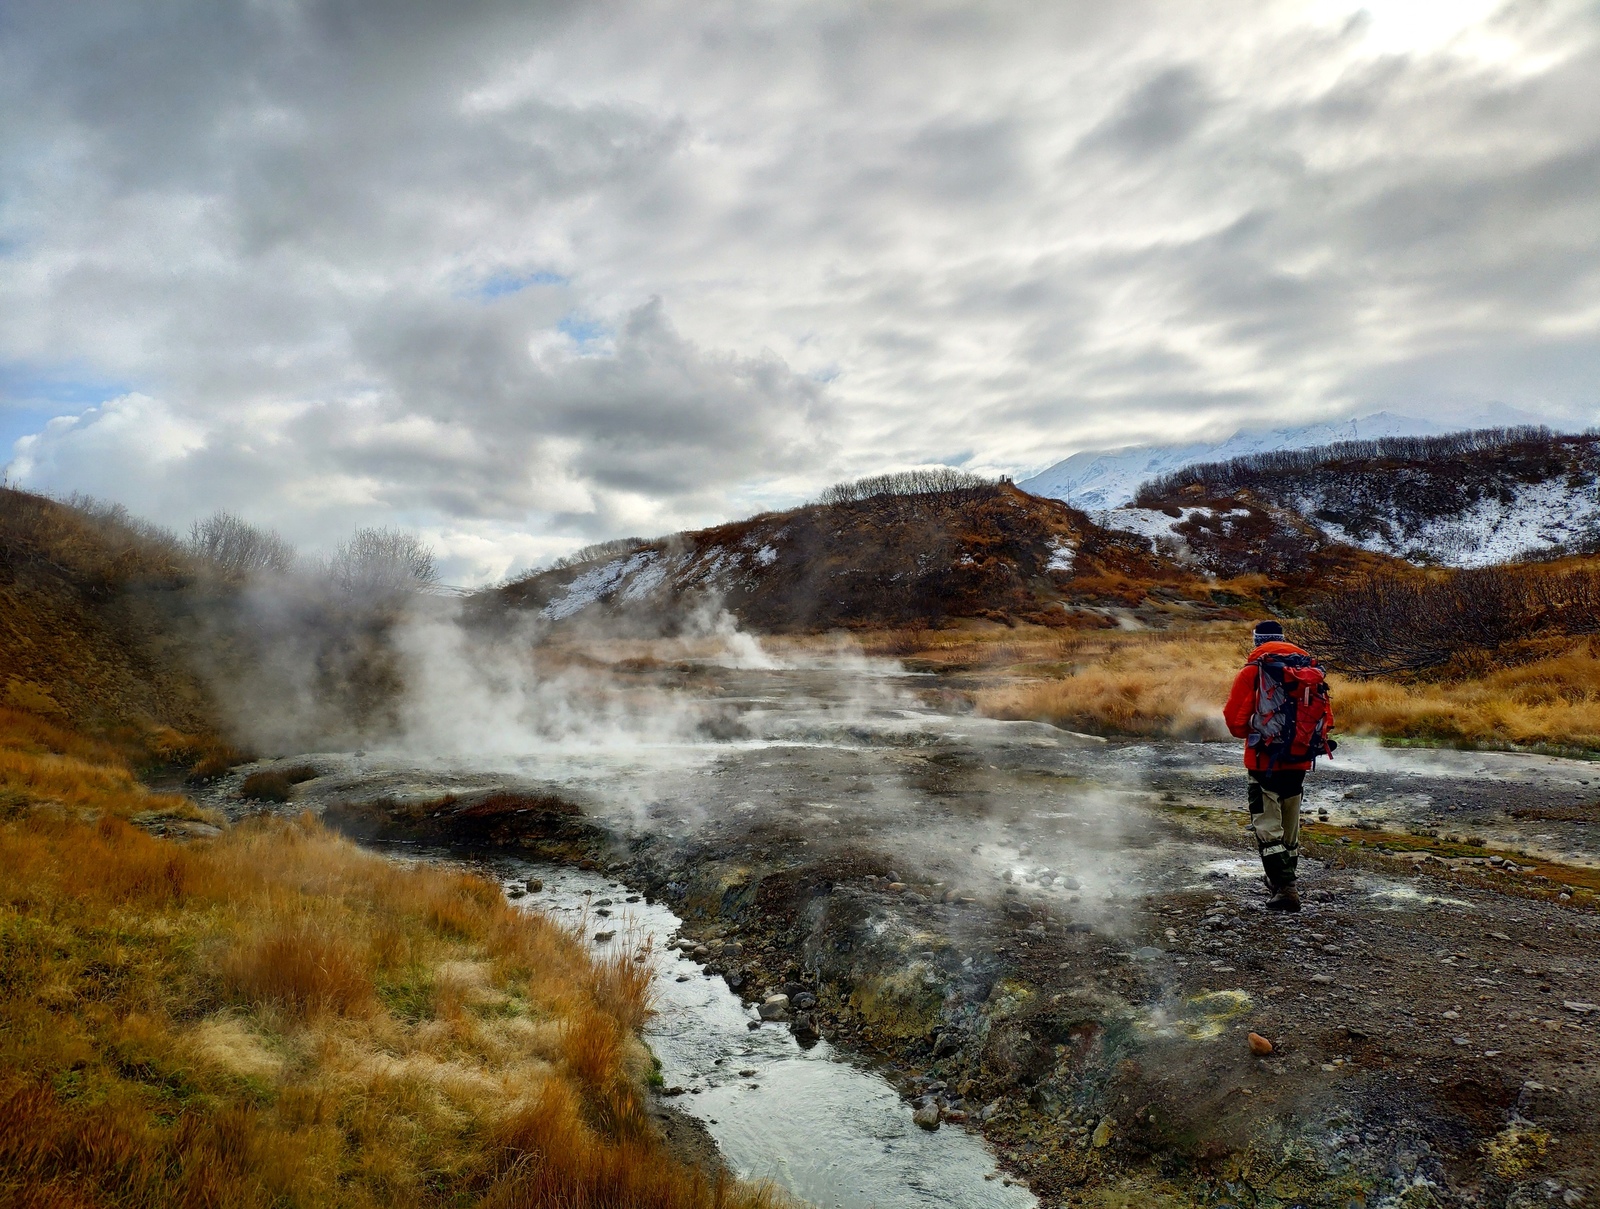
[
  {"x": 582, "y": 331},
  {"x": 62, "y": 386},
  {"x": 31, "y": 396},
  {"x": 502, "y": 284}
]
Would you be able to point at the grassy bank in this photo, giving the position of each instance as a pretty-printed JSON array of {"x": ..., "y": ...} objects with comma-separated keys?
[
  {"x": 1174, "y": 682},
  {"x": 275, "y": 1017}
]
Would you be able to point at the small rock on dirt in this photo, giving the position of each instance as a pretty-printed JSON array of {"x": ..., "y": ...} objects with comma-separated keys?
[
  {"x": 1103, "y": 1133},
  {"x": 1259, "y": 1045}
]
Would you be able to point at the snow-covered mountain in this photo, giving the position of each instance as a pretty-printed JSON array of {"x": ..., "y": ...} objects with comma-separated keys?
[{"x": 1108, "y": 478}]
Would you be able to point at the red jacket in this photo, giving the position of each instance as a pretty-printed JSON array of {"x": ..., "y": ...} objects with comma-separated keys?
[{"x": 1241, "y": 707}]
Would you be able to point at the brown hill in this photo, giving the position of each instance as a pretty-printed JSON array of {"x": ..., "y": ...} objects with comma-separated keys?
[
  {"x": 984, "y": 550},
  {"x": 95, "y": 609}
]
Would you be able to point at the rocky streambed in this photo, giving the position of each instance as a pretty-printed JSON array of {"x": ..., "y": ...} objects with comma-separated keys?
[{"x": 1057, "y": 943}]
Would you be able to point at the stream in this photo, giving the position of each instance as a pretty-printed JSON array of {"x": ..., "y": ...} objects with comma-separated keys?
[{"x": 817, "y": 1126}]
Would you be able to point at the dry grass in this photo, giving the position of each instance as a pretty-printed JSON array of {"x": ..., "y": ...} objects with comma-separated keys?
[
  {"x": 1143, "y": 683},
  {"x": 275, "y": 784},
  {"x": 275, "y": 1017},
  {"x": 1174, "y": 682},
  {"x": 1554, "y": 700}
]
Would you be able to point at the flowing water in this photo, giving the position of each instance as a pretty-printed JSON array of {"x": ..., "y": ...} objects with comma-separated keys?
[{"x": 821, "y": 1128}]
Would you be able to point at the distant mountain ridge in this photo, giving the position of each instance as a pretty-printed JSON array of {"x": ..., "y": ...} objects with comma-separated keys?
[{"x": 1109, "y": 478}]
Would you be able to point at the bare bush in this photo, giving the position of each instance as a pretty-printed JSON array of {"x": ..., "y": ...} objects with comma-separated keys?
[
  {"x": 1410, "y": 623},
  {"x": 238, "y": 548},
  {"x": 382, "y": 562},
  {"x": 1223, "y": 478},
  {"x": 933, "y": 480},
  {"x": 615, "y": 548}
]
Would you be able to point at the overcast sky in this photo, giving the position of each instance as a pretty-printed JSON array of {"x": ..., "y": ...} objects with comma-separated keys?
[{"x": 523, "y": 275}]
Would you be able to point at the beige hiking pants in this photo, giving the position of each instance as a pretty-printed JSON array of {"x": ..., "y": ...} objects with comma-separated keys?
[{"x": 1275, "y": 819}]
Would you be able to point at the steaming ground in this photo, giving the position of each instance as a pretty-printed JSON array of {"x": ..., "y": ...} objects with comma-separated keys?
[{"x": 1056, "y": 938}]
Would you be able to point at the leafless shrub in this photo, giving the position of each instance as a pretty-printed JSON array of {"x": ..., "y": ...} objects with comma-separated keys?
[
  {"x": 1223, "y": 478},
  {"x": 616, "y": 548},
  {"x": 382, "y": 562},
  {"x": 933, "y": 480},
  {"x": 238, "y": 548},
  {"x": 1410, "y": 623}
]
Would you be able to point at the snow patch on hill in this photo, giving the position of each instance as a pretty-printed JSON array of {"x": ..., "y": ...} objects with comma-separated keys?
[
  {"x": 595, "y": 583},
  {"x": 1152, "y": 522},
  {"x": 1538, "y": 516}
]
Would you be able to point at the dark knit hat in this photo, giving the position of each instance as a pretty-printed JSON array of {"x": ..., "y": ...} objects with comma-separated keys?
[{"x": 1268, "y": 631}]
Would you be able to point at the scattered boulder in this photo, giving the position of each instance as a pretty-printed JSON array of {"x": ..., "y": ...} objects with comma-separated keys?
[
  {"x": 927, "y": 1117},
  {"x": 774, "y": 1007}
]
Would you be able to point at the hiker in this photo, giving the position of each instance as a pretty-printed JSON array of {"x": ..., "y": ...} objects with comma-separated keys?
[{"x": 1279, "y": 706}]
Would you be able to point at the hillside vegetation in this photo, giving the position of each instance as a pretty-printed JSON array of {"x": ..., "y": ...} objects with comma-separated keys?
[
  {"x": 1462, "y": 499},
  {"x": 93, "y": 606}
]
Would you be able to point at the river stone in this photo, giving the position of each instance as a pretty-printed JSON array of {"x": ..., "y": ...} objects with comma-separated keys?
[
  {"x": 803, "y": 1025},
  {"x": 804, "y": 1001},
  {"x": 732, "y": 949},
  {"x": 927, "y": 1116},
  {"x": 776, "y": 1007}
]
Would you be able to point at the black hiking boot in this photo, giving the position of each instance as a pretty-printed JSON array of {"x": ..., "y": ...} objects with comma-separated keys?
[{"x": 1284, "y": 899}]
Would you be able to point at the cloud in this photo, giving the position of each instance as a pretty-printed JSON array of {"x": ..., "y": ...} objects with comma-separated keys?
[
  {"x": 527, "y": 275},
  {"x": 1160, "y": 113}
]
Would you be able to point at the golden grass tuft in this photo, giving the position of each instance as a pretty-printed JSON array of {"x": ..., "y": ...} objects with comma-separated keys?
[
  {"x": 1170, "y": 682},
  {"x": 276, "y": 1017}
]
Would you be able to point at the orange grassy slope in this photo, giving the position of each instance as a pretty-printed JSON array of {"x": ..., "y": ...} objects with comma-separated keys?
[
  {"x": 94, "y": 611},
  {"x": 274, "y": 1017}
]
